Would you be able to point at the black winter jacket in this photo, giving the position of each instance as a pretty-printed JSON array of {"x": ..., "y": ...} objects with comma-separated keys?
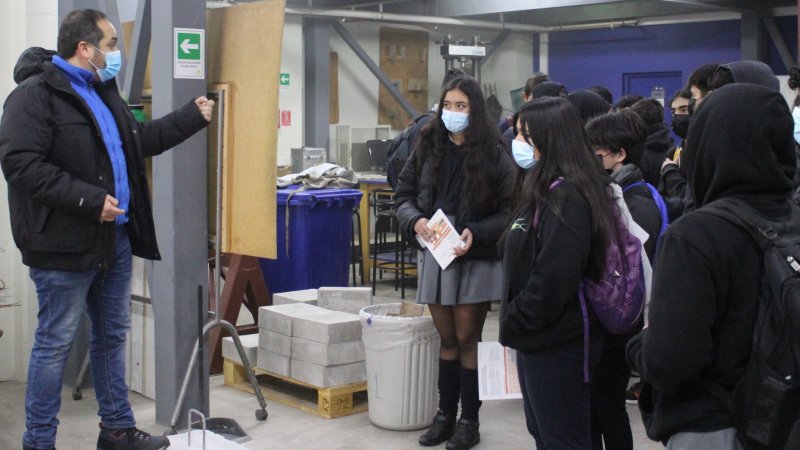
[
  {"x": 658, "y": 143},
  {"x": 706, "y": 287},
  {"x": 642, "y": 206},
  {"x": 543, "y": 268},
  {"x": 59, "y": 172},
  {"x": 415, "y": 201}
]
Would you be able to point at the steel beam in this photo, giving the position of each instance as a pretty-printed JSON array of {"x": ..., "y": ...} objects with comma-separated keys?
[
  {"x": 778, "y": 40},
  {"x": 180, "y": 208},
  {"x": 316, "y": 98},
  {"x": 461, "y": 8},
  {"x": 137, "y": 60},
  {"x": 374, "y": 68},
  {"x": 754, "y": 38}
]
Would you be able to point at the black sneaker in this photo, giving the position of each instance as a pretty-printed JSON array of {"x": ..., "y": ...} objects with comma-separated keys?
[
  {"x": 466, "y": 435},
  {"x": 129, "y": 439},
  {"x": 632, "y": 394},
  {"x": 444, "y": 425}
]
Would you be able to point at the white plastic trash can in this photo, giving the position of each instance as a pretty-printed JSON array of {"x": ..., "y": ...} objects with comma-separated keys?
[{"x": 402, "y": 356}]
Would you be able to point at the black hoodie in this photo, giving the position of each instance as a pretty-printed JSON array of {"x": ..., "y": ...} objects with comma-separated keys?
[
  {"x": 705, "y": 293},
  {"x": 753, "y": 72}
]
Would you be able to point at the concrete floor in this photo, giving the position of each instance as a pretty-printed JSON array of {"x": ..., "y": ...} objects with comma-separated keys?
[{"x": 502, "y": 422}]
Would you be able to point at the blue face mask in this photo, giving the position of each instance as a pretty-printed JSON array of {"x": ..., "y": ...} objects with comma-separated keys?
[
  {"x": 796, "y": 117},
  {"x": 113, "y": 65},
  {"x": 455, "y": 122},
  {"x": 523, "y": 154}
]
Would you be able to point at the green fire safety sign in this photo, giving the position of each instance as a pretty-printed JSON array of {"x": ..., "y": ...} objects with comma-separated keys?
[{"x": 189, "y": 52}]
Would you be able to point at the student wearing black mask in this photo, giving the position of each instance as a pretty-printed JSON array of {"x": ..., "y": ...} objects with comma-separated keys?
[{"x": 673, "y": 180}]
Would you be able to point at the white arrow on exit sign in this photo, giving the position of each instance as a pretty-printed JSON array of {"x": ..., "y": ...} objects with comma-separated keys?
[{"x": 186, "y": 46}]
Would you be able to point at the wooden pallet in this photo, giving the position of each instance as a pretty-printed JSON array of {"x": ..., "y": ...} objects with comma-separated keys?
[{"x": 331, "y": 402}]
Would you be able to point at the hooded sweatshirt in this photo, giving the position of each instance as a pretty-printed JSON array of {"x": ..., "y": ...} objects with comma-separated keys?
[
  {"x": 753, "y": 72},
  {"x": 705, "y": 293},
  {"x": 588, "y": 103}
]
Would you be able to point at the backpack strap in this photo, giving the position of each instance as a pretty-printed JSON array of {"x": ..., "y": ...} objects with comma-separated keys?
[{"x": 662, "y": 207}]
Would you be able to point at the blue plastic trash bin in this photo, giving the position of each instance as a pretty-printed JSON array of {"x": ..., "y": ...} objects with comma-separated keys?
[{"x": 314, "y": 246}]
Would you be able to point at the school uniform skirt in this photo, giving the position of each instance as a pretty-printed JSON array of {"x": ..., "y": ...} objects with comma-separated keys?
[{"x": 463, "y": 282}]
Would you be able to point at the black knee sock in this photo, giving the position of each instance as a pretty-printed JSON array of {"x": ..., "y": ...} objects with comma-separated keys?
[
  {"x": 469, "y": 394},
  {"x": 449, "y": 386}
]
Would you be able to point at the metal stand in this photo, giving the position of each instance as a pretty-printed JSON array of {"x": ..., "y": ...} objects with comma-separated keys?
[{"x": 261, "y": 413}]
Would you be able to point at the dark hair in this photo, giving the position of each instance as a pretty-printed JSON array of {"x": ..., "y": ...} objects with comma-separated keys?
[
  {"x": 79, "y": 25},
  {"x": 617, "y": 131},
  {"x": 533, "y": 80},
  {"x": 794, "y": 77},
  {"x": 603, "y": 91},
  {"x": 681, "y": 93},
  {"x": 626, "y": 101},
  {"x": 482, "y": 145},
  {"x": 451, "y": 75},
  {"x": 650, "y": 110},
  {"x": 554, "y": 127},
  {"x": 721, "y": 77},
  {"x": 701, "y": 78}
]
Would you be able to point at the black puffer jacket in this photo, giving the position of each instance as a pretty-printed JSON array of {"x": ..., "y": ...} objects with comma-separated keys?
[
  {"x": 415, "y": 200},
  {"x": 58, "y": 169},
  {"x": 704, "y": 301}
]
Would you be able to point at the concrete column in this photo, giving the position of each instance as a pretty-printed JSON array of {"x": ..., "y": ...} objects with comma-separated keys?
[
  {"x": 754, "y": 37},
  {"x": 316, "y": 101}
]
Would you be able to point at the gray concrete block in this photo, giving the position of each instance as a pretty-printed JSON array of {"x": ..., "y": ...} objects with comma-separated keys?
[
  {"x": 308, "y": 296},
  {"x": 275, "y": 363},
  {"x": 345, "y": 299},
  {"x": 327, "y": 354},
  {"x": 275, "y": 342},
  {"x": 321, "y": 376},
  {"x": 250, "y": 345},
  {"x": 278, "y": 318},
  {"x": 326, "y": 326}
]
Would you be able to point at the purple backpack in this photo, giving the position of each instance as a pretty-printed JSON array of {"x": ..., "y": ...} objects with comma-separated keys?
[{"x": 618, "y": 297}]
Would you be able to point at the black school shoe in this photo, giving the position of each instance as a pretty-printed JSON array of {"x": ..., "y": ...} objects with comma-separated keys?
[
  {"x": 129, "y": 439},
  {"x": 444, "y": 425},
  {"x": 466, "y": 435}
]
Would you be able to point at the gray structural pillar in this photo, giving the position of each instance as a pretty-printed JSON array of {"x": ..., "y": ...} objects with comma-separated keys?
[
  {"x": 316, "y": 113},
  {"x": 180, "y": 208},
  {"x": 754, "y": 37}
]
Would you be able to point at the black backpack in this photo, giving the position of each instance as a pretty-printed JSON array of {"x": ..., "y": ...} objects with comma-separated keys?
[
  {"x": 401, "y": 148},
  {"x": 766, "y": 402}
]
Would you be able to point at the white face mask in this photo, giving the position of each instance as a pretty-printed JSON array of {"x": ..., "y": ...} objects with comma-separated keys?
[
  {"x": 455, "y": 122},
  {"x": 523, "y": 154},
  {"x": 796, "y": 117}
]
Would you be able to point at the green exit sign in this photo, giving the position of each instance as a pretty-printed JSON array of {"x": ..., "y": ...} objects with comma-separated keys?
[
  {"x": 285, "y": 79},
  {"x": 189, "y": 46}
]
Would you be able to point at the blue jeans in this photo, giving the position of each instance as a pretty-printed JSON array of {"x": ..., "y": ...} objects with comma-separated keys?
[
  {"x": 556, "y": 399},
  {"x": 63, "y": 299}
]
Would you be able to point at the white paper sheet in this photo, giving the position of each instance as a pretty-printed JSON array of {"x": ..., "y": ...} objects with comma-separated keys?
[{"x": 497, "y": 372}]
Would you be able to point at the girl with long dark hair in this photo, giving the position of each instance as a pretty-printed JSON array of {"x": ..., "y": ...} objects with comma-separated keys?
[
  {"x": 556, "y": 239},
  {"x": 459, "y": 166}
]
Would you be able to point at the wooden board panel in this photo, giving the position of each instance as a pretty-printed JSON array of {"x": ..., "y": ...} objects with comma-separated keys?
[
  {"x": 333, "y": 87},
  {"x": 244, "y": 51},
  {"x": 404, "y": 59}
]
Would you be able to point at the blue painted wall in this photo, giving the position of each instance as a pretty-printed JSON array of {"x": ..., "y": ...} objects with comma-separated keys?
[{"x": 579, "y": 59}]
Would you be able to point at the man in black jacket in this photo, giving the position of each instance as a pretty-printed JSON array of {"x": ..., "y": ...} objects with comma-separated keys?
[
  {"x": 73, "y": 156},
  {"x": 706, "y": 286}
]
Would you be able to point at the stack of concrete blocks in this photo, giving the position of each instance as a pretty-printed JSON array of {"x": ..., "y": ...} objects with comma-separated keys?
[
  {"x": 311, "y": 344},
  {"x": 249, "y": 344}
]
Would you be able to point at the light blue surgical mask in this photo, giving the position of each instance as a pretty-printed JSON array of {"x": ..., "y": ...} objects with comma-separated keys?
[
  {"x": 523, "y": 154},
  {"x": 113, "y": 65},
  {"x": 796, "y": 117},
  {"x": 455, "y": 122}
]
